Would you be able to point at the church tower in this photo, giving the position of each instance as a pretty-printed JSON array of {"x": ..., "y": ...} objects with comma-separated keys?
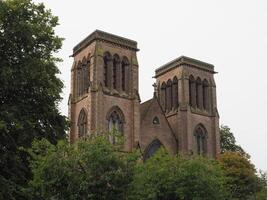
[
  {"x": 186, "y": 91},
  {"x": 182, "y": 116},
  {"x": 104, "y": 88}
]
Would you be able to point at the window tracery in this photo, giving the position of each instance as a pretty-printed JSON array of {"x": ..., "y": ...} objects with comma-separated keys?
[
  {"x": 201, "y": 140},
  {"x": 115, "y": 124},
  {"x": 82, "y": 124}
]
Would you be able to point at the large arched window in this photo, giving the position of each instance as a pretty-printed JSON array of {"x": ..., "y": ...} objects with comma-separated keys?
[
  {"x": 206, "y": 98},
  {"x": 151, "y": 149},
  {"x": 82, "y": 124},
  {"x": 125, "y": 67},
  {"x": 192, "y": 91},
  {"x": 163, "y": 95},
  {"x": 116, "y": 72},
  {"x": 115, "y": 120},
  {"x": 201, "y": 139},
  {"x": 199, "y": 94},
  {"x": 107, "y": 70},
  {"x": 175, "y": 93},
  {"x": 169, "y": 95}
]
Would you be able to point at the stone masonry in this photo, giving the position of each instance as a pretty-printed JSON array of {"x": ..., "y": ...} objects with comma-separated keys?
[{"x": 182, "y": 116}]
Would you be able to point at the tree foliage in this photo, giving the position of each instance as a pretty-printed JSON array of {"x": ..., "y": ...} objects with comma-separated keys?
[
  {"x": 262, "y": 193},
  {"x": 228, "y": 141},
  {"x": 29, "y": 88},
  {"x": 165, "y": 177},
  {"x": 241, "y": 175},
  {"x": 95, "y": 169},
  {"x": 90, "y": 169}
]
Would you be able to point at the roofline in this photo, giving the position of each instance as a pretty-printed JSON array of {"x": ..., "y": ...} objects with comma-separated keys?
[
  {"x": 108, "y": 37},
  {"x": 184, "y": 60}
]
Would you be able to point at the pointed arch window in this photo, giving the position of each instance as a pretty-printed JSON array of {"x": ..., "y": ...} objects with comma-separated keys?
[
  {"x": 78, "y": 79},
  {"x": 115, "y": 124},
  {"x": 206, "y": 98},
  {"x": 84, "y": 76},
  {"x": 123, "y": 78},
  {"x": 82, "y": 124},
  {"x": 163, "y": 96},
  {"x": 152, "y": 148},
  {"x": 107, "y": 69},
  {"x": 169, "y": 96},
  {"x": 116, "y": 72},
  {"x": 175, "y": 93},
  {"x": 201, "y": 140},
  {"x": 125, "y": 68},
  {"x": 192, "y": 91},
  {"x": 199, "y": 97}
]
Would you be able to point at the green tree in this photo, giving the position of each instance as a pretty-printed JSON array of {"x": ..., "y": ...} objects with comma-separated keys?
[
  {"x": 241, "y": 175},
  {"x": 29, "y": 88},
  {"x": 262, "y": 193},
  {"x": 228, "y": 141},
  {"x": 165, "y": 177},
  {"x": 89, "y": 169}
]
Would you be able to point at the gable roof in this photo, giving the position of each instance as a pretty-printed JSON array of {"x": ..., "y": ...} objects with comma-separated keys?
[{"x": 145, "y": 107}]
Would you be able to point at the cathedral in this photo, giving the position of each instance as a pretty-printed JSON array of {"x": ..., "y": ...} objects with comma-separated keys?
[{"x": 182, "y": 116}]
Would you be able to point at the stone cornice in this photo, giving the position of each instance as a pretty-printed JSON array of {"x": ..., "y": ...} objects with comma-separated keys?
[
  {"x": 183, "y": 60},
  {"x": 107, "y": 37}
]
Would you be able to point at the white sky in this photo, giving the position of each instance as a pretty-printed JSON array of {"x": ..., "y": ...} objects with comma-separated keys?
[{"x": 231, "y": 34}]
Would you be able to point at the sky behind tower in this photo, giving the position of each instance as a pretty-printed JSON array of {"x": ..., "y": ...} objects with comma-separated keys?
[{"x": 232, "y": 35}]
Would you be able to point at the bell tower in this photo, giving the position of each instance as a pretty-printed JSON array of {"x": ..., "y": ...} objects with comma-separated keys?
[
  {"x": 104, "y": 88},
  {"x": 187, "y": 94}
]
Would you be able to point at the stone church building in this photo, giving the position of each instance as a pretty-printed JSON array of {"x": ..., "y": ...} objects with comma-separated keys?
[{"x": 182, "y": 116}]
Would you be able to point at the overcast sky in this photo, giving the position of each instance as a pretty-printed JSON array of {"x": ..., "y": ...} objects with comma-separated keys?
[{"x": 231, "y": 34}]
